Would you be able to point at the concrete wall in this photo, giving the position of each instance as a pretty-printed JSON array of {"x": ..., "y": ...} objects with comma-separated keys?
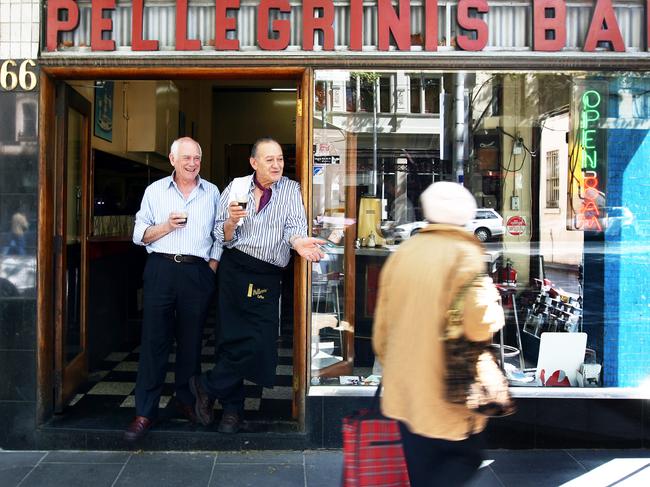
[{"x": 557, "y": 244}]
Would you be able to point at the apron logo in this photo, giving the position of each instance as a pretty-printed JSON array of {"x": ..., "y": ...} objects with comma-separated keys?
[{"x": 256, "y": 293}]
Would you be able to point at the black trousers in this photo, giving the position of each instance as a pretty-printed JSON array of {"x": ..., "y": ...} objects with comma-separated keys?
[
  {"x": 176, "y": 301},
  {"x": 432, "y": 462},
  {"x": 249, "y": 297}
]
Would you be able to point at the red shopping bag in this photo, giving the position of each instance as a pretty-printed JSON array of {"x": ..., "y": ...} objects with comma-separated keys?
[{"x": 372, "y": 451}]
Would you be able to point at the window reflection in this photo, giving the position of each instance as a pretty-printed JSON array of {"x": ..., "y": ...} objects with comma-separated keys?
[{"x": 555, "y": 162}]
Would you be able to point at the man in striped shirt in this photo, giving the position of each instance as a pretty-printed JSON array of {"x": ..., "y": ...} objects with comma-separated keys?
[
  {"x": 175, "y": 224},
  {"x": 261, "y": 218}
]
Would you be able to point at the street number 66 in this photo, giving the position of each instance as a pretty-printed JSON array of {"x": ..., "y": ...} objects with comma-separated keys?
[{"x": 25, "y": 78}]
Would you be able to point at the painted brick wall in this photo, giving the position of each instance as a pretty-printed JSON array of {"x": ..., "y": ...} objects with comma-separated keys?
[{"x": 626, "y": 320}]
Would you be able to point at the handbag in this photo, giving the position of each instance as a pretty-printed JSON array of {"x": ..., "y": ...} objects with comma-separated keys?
[
  {"x": 473, "y": 378},
  {"x": 372, "y": 450}
]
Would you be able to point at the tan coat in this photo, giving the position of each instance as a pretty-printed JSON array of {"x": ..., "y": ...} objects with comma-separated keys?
[{"x": 417, "y": 285}]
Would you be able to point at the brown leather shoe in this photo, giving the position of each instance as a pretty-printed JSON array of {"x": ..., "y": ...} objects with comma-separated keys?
[
  {"x": 138, "y": 428},
  {"x": 203, "y": 406},
  {"x": 230, "y": 423},
  {"x": 186, "y": 411}
]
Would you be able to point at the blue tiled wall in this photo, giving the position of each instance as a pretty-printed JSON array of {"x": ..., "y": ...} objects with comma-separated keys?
[{"x": 626, "y": 314}]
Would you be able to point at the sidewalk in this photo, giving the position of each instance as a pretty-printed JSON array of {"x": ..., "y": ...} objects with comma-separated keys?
[{"x": 315, "y": 468}]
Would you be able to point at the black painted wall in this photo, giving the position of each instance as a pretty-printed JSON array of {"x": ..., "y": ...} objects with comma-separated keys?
[
  {"x": 18, "y": 199},
  {"x": 538, "y": 423}
]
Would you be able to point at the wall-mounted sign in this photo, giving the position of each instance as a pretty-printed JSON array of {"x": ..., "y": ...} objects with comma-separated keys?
[
  {"x": 516, "y": 225},
  {"x": 331, "y": 159},
  {"x": 17, "y": 75},
  {"x": 273, "y": 26}
]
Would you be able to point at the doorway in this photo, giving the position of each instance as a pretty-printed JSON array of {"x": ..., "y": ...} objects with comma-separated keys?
[{"x": 121, "y": 159}]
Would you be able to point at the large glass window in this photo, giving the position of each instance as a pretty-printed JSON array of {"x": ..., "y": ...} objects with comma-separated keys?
[{"x": 557, "y": 165}]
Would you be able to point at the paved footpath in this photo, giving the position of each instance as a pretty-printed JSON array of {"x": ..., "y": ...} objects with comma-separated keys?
[{"x": 314, "y": 468}]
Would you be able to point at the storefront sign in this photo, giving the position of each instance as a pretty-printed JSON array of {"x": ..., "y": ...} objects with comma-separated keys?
[
  {"x": 549, "y": 20},
  {"x": 516, "y": 225}
]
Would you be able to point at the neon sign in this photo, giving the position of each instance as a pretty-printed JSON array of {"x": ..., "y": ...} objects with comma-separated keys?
[{"x": 589, "y": 213}]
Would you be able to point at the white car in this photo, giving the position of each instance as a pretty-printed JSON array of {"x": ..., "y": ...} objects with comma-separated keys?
[{"x": 486, "y": 224}]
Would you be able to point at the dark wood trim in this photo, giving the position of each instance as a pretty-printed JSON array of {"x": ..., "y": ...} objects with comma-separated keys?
[
  {"x": 447, "y": 60},
  {"x": 50, "y": 72},
  {"x": 59, "y": 242},
  {"x": 350, "y": 261},
  {"x": 301, "y": 269},
  {"x": 349, "y": 264},
  {"x": 45, "y": 276},
  {"x": 170, "y": 72},
  {"x": 68, "y": 376}
]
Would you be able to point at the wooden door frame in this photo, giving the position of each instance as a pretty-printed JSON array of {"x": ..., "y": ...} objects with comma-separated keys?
[
  {"x": 46, "y": 273},
  {"x": 69, "y": 375}
]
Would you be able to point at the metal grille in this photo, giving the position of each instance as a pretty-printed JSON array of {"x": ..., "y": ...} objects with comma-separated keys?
[
  {"x": 552, "y": 179},
  {"x": 509, "y": 24}
]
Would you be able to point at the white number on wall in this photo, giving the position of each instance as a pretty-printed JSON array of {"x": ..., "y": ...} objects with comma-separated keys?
[{"x": 25, "y": 78}]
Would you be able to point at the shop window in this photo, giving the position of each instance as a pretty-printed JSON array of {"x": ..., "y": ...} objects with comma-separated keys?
[
  {"x": 528, "y": 142},
  {"x": 552, "y": 179}
]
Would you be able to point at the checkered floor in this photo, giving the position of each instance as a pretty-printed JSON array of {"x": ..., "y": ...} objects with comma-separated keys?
[{"x": 112, "y": 385}]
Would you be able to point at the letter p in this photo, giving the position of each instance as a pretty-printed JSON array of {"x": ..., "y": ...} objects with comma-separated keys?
[{"x": 55, "y": 25}]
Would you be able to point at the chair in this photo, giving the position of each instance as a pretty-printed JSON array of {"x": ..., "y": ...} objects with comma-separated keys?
[{"x": 508, "y": 293}]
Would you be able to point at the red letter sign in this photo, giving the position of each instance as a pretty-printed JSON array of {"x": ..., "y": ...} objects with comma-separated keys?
[
  {"x": 388, "y": 22},
  {"x": 604, "y": 14},
  {"x": 311, "y": 23},
  {"x": 54, "y": 25},
  {"x": 282, "y": 27},
  {"x": 224, "y": 24},
  {"x": 356, "y": 25},
  {"x": 555, "y": 25},
  {"x": 182, "y": 42},
  {"x": 137, "y": 43},
  {"x": 101, "y": 24},
  {"x": 431, "y": 25},
  {"x": 468, "y": 23}
]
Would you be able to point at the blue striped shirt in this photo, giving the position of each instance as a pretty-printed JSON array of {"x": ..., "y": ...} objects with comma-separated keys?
[
  {"x": 196, "y": 238},
  {"x": 265, "y": 235}
]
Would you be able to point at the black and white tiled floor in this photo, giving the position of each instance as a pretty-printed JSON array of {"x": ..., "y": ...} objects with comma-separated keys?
[{"x": 111, "y": 386}]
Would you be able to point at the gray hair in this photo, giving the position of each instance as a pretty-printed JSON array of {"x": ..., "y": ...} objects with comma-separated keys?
[
  {"x": 176, "y": 144},
  {"x": 260, "y": 141}
]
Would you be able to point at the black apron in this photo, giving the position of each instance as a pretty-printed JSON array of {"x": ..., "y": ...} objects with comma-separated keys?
[{"x": 249, "y": 316}]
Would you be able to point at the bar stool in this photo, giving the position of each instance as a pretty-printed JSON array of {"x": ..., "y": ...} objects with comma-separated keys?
[
  {"x": 509, "y": 290},
  {"x": 325, "y": 289}
]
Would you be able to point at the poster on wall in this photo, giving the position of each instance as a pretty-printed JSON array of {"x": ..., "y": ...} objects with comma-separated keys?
[{"x": 103, "y": 126}]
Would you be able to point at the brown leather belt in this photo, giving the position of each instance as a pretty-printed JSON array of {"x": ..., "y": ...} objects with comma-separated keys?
[{"x": 181, "y": 259}]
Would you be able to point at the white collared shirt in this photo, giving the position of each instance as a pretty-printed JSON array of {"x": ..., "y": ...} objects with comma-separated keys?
[
  {"x": 265, "y": 235},
  {"x": 164, "y": 197}
]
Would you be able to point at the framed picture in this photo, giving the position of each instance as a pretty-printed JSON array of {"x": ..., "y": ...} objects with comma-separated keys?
[{"x": 103, "y": 126}]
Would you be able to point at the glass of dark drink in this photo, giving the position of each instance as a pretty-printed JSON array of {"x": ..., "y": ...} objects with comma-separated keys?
[{"x": 242, "y": 200}]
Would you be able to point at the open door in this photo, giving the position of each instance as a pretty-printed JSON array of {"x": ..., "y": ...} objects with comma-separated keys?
[{"x": 70, "y": 232}]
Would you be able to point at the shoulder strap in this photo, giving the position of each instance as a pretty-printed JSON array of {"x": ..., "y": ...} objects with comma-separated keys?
[{"x": 454, "y": 316}]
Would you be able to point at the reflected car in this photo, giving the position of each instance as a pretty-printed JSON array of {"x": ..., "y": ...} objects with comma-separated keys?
[{"x": 485, "y": 225}]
